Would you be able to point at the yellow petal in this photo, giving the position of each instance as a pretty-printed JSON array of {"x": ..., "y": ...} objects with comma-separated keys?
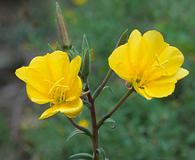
[
  {"x": 153, "y": 43},
  {"x": 33, "y": 78},
  {"x": 76, "y": 89},
  {"x": 43, "y": 71},
  {"x": 143, "y": 50},
  {"x": 166, "y": 64},
  {"x": 181, "y": 73},
  {"x": 134, "y": 49},
  {"x": 160, "y": 90},
  {"x": 37, "y": 74},
  {"x": 21, "y": 73},
  {"x": 48, "y": 113},
  {"x": 171, "y": 59},
  {"x": 36, "y": 80},
  {"x": 70, "y": 109},
  {"x": 119, "y": 62},
  {"x": 36, "y": 96},
  {"x": 58, "y": 64},
  {"x": 142, "y": 92},
  {"x": 40, "y": 63},
  {"x": 161, "y": 87},
  {"x": 74, "y": 69},
  {"x": 151, "y": 47}
]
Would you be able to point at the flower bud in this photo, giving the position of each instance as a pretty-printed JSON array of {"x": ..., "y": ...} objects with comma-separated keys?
[
  {"x": 86, "y": 66},
  {"x": 86, "y": 54},
  {"x": 62, "y": 29}
]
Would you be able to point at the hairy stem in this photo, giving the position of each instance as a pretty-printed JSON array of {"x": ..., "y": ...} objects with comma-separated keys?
[
  {"x": 101, "y": 86},
  {"x": 109, "y": 114}
]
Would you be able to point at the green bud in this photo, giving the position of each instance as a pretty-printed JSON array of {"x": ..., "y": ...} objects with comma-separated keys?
[
  {"x": 62, "y": 29},
  {"x": 86, "y": 54},
  {"x": 86, "y": 65}
]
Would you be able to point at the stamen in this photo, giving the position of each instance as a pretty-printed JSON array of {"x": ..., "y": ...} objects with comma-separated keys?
[
  {"x": 58, "y": 92},
  {"x": 54, "y": 85}
]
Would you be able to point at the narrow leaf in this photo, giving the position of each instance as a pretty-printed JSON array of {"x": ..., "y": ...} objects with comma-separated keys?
[
  {"x": 108, "y": 87},
  {"x": 102, "y": 153},
  {"x": 112, "y": 122},
  {"x": 74, "y": 133},
  {"x": 85, "y": 156}
]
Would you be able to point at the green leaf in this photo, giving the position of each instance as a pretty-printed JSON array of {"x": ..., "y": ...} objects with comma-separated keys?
[
  {"x": 74, "y": 133},
  {"x": 102, "y": 154},
  {"x": 112, "y": 121},
  {"x": 84, "y": 156},
  {"x": 110, "y": 89},
  {"x": 123, "y": 38}
]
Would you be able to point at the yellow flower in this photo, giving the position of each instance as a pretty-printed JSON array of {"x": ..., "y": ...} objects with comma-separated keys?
[
  {"x": 79, "y": 2},
  {"x": 54, "y": 79},
  {"x": 84, "y": 123},
  {"x": 149, "y": 64}
]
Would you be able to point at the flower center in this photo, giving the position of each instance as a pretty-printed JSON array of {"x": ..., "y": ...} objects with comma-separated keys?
[
  {"x": 140, "y": 83},
  {"x": 58, "y": 92}
]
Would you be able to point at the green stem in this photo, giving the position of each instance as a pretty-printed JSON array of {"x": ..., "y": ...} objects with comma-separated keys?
[
  {"x": 101, "y": 86},
  {"x": 109, "y": 114}
]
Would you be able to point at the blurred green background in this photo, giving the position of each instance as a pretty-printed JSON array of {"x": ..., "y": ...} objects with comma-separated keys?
[{"x": 146, "y": 130}]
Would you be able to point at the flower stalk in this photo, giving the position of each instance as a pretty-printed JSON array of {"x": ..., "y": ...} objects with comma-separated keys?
[
  {"x": 109, "y": 114},
  {"x": 121, "y": 41},
  {"x": 101, "y": 86}
]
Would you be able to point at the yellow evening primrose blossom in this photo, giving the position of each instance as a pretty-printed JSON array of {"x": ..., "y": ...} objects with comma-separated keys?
[
  {"x": 84, "y": 123},
  {"x": 149, "y": 64},
  {"x": 54, "y": 79}
]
